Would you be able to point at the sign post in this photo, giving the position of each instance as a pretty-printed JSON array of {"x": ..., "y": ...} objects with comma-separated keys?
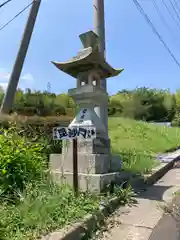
[
  {"x": 75, "y": 167},
  {"x": 73, "y": 133}
]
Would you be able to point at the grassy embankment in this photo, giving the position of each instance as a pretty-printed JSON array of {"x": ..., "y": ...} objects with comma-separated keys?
[{"x": 138, "y": 142}]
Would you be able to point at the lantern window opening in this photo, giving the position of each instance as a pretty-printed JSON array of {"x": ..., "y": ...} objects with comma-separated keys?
[
  {"x": 94, "y": 82},
  {"x": 83, "y": 82}
]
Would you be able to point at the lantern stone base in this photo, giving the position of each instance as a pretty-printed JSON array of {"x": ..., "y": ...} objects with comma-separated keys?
[
  {"x": 87, "y": 182},
  {"x": 95, "y": 179}
]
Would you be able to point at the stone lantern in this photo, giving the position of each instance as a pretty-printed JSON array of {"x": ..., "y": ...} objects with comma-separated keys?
[{"x": 94, "y": 155}]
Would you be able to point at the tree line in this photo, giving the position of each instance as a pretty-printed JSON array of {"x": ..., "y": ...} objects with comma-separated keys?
[{"x": 141, "y": 104}]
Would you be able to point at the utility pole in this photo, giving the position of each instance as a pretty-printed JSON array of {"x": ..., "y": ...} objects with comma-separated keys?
[
  {"x": 99, "y": 28},
  {"x": 19, "y": 62}
]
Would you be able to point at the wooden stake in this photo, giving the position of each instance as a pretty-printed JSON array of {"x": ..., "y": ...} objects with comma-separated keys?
[{"x": 75, "y": 167}]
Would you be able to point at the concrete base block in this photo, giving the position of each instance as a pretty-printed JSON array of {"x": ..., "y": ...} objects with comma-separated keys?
[
  {"x": 99, "y": 145},
  {"x": 115, "y": 163},
  {"x": 87, "y": 163},
  {"x": 94, "y": 170},
  {"x": 87, "y": 182}
]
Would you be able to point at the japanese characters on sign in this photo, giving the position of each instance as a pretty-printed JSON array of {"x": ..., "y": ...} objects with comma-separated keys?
[
  {"x": 82, "y": 115},
  {"x": 60, "y": 133}
]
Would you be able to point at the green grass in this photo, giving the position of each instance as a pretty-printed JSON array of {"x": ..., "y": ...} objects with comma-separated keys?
[
  {"x": 137, "y": 142},
  {"x": 177, "y": 193},
  {"x": 42, "y": 209},
  {"x": 48, "y": 207}
]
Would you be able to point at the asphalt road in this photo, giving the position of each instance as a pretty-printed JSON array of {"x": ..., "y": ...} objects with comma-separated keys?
[{"x": 168, "y": 227}]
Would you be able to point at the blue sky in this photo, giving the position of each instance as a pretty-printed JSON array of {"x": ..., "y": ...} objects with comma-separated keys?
[{"x": 130, "y": 44}]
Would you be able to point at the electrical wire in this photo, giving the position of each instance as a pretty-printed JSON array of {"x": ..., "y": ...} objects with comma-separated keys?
[
  {"x": 3, "y": 4},
  {"x": 141, "y": 10},
  {"x": 170, "y": 13},
  {"x": 163, "y": 20},
  {"x": 6, "y": 24},
  {"x": 160, "y": 15},
  {"x": 174, "y": 9},
  {"x": 177, "y": 6}
]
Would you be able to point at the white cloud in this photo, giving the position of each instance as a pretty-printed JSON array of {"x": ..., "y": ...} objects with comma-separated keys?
[
  {"x": 3, "y": 85},
  {"x": 3, "y": 74},
  {"x": 28, "y": 77},
  {"x": 26, "y": 81},
  {"x": 7, "y": 76}
]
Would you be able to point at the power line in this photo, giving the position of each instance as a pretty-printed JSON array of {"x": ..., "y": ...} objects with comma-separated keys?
[
  {"x": 163, "y": 19},
  {"x": 160, "y": 15},
  {"x": 6, "y": 24},
  {"x": 141, "y": 10},
  {"x": 174, "y": 9},
  {"x": 164, "y": 3},
  {"x": 177, "y": 6},
  {"x": 3, "y": 4}
]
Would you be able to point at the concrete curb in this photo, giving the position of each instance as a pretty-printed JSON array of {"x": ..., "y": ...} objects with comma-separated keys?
[
  {"x": 170, "y": 194},
  {"x": 91, "y": 222},
  {"x": 87, "y": 225},
  {"x": 159, "y": 172}
]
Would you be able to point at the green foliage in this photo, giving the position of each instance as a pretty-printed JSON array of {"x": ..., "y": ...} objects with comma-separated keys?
[
  {"x": 176, "y": 120},
  {"x": 44, "y": 207},
  {"x": 143, "y": 104},
  {"x": 21, "y": 162},
  {"x": 137, "y": 142},
  {"x": 137, "y": 162},
  {"x": 125, "y": 195},
  {"x": 38, "y": 103},
  {"x": 36, "y": 129},
  {"x": 140, "y": 104}
]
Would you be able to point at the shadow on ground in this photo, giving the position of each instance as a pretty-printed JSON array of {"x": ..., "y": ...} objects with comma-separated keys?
[{"x": 154, "y": 192}]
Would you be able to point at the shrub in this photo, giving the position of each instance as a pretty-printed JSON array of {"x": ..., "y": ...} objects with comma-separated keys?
[
  {"x": 176, "y": 120},
  {"x": 36, "y": 129},
  {"x": 21, "y": 162}
]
